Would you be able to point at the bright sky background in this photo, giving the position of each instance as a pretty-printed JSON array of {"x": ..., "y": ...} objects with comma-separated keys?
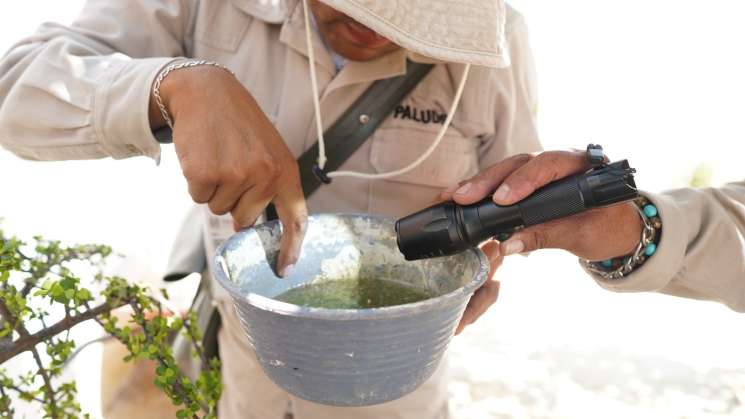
[{"x": 660, "y": 82}]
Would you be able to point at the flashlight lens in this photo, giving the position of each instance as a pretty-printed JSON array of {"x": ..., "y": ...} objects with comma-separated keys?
[{"x": 429, "y": 233}]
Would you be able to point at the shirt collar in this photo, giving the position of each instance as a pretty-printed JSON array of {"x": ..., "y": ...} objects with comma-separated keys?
[
  {"x": 293, "y": 35},
  {"x": 389, "y": 65}
]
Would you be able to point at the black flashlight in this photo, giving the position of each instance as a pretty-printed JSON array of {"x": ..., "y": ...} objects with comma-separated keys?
[{"x": 449, "y": 228}]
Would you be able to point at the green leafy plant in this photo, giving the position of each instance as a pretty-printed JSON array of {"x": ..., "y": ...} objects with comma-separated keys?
[{"x": 44, "y": 281}]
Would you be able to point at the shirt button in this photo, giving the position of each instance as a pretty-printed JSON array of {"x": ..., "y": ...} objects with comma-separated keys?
[{"x": 364, "y": 119}]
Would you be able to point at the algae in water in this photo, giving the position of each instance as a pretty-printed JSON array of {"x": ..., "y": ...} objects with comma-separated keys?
[{"x": 357, "y": 293}]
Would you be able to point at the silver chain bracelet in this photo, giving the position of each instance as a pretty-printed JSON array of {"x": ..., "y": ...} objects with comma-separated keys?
[
  {"x": 173, "y": 67},
  {"x": 650, "y": 231}
]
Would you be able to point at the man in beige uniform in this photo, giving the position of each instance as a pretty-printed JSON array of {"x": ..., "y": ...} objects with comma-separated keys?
[
  {"x": 86, "y": 91},
  {"x": 700, "y": 253}
]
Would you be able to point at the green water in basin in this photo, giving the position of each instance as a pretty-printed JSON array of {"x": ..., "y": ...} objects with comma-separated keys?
[{"x": 354, "y": 293}]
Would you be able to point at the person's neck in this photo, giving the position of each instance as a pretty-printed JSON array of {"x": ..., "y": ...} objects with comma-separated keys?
[{"x": 338, "y": 60}]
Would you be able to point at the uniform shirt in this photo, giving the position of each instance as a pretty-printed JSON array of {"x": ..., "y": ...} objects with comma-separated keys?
[{"x": 82, "y": 92}]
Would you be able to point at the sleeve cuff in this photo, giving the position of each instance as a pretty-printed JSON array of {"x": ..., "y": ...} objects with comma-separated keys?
[
  {"x": 667, "y": 261},
  {"x": 121, "y": 109}
]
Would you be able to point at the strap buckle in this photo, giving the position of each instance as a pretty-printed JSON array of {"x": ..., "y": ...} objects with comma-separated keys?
[{"x": 320, "y": 174}]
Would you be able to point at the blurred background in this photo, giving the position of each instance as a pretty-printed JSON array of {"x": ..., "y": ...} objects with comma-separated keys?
[{"x": 658, "y": 82}]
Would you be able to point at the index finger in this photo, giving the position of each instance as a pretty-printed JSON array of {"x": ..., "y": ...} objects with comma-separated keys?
[
  {"x": 293, "y": 213},
  {"x": 484, "y": 183},
  {"x": 540, "y": 171}
]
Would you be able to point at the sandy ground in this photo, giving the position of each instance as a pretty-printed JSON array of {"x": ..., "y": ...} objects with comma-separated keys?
[
  {"x": 560, "y": 382},
  {"x": 557, "y": 346}
]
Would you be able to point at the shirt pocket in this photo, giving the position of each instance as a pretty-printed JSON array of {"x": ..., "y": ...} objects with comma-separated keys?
[{"x": 454, "y": 159}]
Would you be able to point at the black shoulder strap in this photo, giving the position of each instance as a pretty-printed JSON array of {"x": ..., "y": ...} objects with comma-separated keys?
[
  {"x": 358, "y": 123},
  {"x": 355, "y": 126}
]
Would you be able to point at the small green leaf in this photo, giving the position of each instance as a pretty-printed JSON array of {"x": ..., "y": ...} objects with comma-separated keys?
[
  {"x": 67, "y": 283},
  {"x": 177, "y": 323},
  {"x": 57, "y": 290},
  {"x": 84, "y": 294}
]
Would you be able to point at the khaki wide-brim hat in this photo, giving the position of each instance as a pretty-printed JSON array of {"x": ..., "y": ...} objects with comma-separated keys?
[{"x": 464, "y": 31}]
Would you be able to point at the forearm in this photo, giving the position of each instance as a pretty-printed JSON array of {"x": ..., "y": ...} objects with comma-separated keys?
[
  {"x": 180, "y": 86},
  {"x": 701, "y": 253}
]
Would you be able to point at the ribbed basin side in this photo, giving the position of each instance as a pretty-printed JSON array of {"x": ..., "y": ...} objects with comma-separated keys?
[
  {"x": 352, "y": 362},
  {"x": 352, "y": 357}
]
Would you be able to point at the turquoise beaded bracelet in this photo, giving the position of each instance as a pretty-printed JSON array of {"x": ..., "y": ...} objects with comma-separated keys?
[{"x": 617, "y": 268}]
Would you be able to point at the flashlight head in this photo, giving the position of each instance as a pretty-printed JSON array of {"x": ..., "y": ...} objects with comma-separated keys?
[{"x": 432, "y": 232}]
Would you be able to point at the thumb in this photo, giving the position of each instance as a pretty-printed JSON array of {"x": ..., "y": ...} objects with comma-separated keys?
[
  {"x": 556, "y": 234},
  {"x": 522, "y": 242}
]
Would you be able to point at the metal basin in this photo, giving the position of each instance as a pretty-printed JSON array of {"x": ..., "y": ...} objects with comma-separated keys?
[{"x": 346, "y": 357}]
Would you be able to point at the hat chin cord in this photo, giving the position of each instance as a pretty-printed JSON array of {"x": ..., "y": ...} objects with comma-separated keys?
[{"x": 319, "y": 124}]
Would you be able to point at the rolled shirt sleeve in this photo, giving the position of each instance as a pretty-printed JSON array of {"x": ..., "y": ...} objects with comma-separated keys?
[
  {"x": 83, "y": 91},
  {"x": 701, "y": 253}
]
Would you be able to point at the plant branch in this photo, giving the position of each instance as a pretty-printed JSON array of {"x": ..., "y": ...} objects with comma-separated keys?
[
  {"x": 24, "y": 393},
  {"x": 27, "y": 289},
  {"x": 21, "y": 254},
  {"x": 197, "y": 345},
  {"x": 28, "y": 341},
  {"x": 23, "y": 332},
  {"x": 7, "y": 409},
  {"x": 10, "y": 318},
  {"x": 179, "y": 376},
  {"x": 159, "y": 359},
  {"x": 48, "y": 389},
  {"x": 48, "y": 261}
]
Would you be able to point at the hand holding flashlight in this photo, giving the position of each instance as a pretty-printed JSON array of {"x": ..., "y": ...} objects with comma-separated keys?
[{"x": 543, "y": 201}]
